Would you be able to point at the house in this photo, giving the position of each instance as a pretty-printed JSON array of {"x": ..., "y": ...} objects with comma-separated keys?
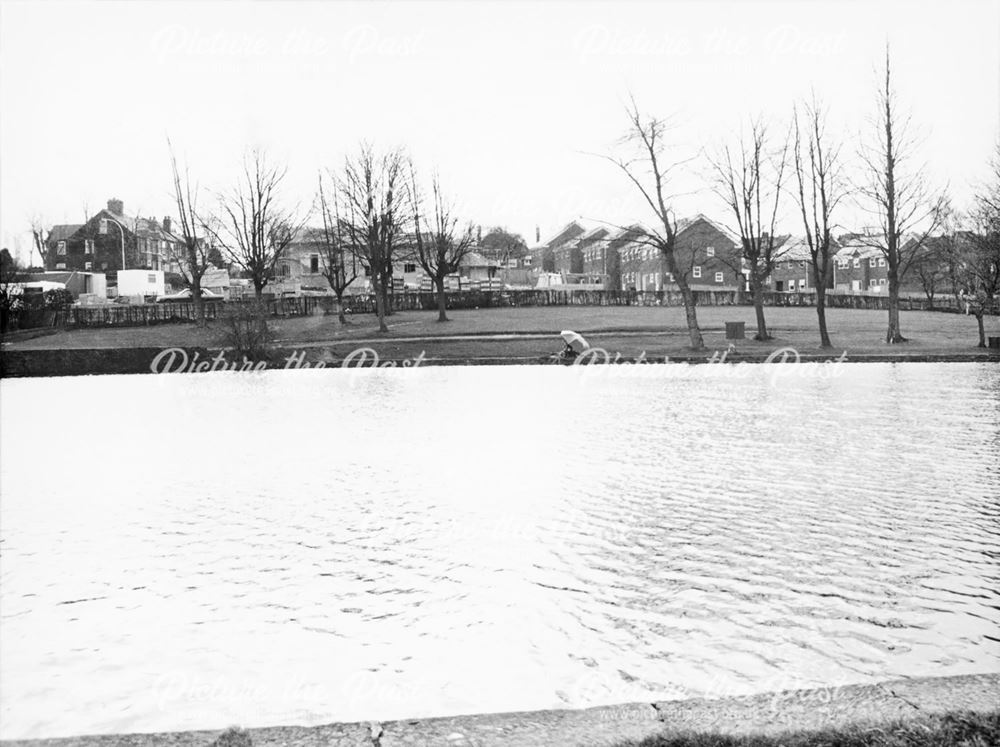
[
  {"x": 793, "y": 267},
  {"x": 711, "y": 255},
  {"x": 859, "y": 266},
  {"x": 556, "y": 253},
  {"x": 111, "y": 240},
  {"x": 477, "y": 268}
]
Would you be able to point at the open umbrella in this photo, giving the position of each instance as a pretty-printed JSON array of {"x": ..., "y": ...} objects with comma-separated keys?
[{"x": 574, "y": 341}]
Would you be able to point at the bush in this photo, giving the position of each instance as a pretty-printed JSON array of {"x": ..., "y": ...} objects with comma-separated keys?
[
  {"x": 247, "y": 330},
  {"x": 58, "y": 299}
]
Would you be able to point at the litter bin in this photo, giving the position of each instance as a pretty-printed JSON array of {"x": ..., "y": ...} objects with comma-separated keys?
[{"x": 735, "y": 330}]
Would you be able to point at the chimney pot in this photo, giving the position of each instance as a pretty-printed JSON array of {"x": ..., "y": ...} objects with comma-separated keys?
[{"x": 166, "y": 223}]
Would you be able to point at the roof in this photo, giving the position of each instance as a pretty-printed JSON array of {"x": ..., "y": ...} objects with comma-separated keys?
[
  {"x": 578, "y": 223},
  {"x": 475, "y": 259},
  {"x": 63, "y": 231},
  {"x": 858, "y": 247},
  {"x": 685, "y": 223},
  {"x": 140, "y": 226}
]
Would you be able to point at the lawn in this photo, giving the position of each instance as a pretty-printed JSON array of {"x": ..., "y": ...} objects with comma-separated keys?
[{"x": 630, "y": 330}]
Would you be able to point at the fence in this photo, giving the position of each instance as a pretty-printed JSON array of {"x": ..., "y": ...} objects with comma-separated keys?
[{"x": 147, "y": 314}]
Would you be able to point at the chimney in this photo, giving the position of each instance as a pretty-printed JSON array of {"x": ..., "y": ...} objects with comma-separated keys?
[
  {"x": 166, "y": 223},
  {"x": 116, "y": 206},
  {"x": 538, "y": 235}
]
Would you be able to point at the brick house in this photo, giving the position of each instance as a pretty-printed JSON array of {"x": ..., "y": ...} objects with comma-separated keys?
[
  {"x": 793, "y": 268},
  {"x": 859, "y": 266},
  {"x": 146, "y": 243},
  {"x": 556, "y": 254},
  {"x": 709, "y": 254}
]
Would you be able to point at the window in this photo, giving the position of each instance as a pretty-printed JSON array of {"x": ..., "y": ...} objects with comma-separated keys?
[
  {"x": 881, "y": 262},
  {"x": 151, "y": 277},
  {"x": 284, "y": 270},
  {"x": 409, "y": 267},
  {"x": 718, "y": 277},
  {"x": 104, "y": 265},
  {"x": 872, "y": 262},
  {"x": 802, "y": 283},
  {"x": 314, "y": 264},
  {"x": 368, "y": 272},
  {"x": 670, "y": 277},
  {"x": 61, "y": 249},
  {"x": 88, "y": 246},
  {"x": 88, "y": 265},
  {"x": 881, "y": 281},
  {"x": 710, "y": 251},
  {"x": 872, "y": 283},
  {"x": 60, "y": 265},
  {"x": 697, "y": 271},
  {"x": 857, "y": 262}
]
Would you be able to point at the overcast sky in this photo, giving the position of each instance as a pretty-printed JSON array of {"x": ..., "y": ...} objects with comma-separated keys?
[{"x": 507, "y": 101}]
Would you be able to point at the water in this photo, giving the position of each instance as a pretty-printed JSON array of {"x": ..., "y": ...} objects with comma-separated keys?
[{"x": 302, "y": 547}]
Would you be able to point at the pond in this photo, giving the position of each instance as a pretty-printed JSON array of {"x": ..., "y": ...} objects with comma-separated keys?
[{"x": 194, "y": 551}]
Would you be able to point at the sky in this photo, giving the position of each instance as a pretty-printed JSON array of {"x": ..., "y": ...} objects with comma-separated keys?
[{"x": 512, "y": 104}]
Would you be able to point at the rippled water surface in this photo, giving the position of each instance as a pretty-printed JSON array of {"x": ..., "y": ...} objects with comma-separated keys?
[{"x": 302, "y": 547}]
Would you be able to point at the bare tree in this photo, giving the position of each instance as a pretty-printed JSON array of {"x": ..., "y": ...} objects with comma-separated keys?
[
  {"x": 40, "y": 232},
  {"x": 648, "y": 169},
  {"x": 896, "y": 194},
  {"x": 193, "y": 259},
  {"x": 977, "y": 264},
  {"x": 443, "y": 246},
  {"x": 749, "y": 182},
  {"x": 372, "y": 192},
  {"x": 254, "y": 227},
  {"x": 339, "y": 264},
  {"x": 821, "y": 187}
]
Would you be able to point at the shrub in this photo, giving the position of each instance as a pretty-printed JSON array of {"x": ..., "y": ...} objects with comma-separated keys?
[
  {"x": 247, "y": 331},
  {"x": 58, "y": 299}
]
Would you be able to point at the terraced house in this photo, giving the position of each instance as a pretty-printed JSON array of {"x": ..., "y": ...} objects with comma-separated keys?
[
  {"x": 793, "y": 268},
  {"x": 707, "y": 251}
]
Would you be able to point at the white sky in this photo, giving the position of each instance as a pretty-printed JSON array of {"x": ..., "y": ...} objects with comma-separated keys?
[{"x": 505, "y": 100}]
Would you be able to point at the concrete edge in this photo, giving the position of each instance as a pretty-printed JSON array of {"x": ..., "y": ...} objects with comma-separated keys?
[
  {"x": 43, "y": 362},
  {"x": 769, "y": 713}
]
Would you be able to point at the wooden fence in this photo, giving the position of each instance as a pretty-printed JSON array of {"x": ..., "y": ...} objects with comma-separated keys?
[{"x": 147, "y": 314}]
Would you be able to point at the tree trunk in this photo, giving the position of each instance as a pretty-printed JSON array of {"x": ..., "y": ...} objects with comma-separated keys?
[
  {"x": 442, "y": 316},
  {"x": 385, "y": 283},
  {"x": 893, "y": 334},
  {"x": 199, "y": 302},
  {"x": 824, "y": 335},
  {"x": 982, "y": 328},
  {"x": 258, "y": 292},
  {"x": 380, "y": 305},
  {"x": 757, "y": 291},
  {"x": 697, "y": 341},
  {"x": 340, "y": 308}
]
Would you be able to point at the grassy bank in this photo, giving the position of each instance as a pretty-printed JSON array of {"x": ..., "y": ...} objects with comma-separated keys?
[
  {"x": 533, "y": 332},
  {"x": 957, "y": 729}
]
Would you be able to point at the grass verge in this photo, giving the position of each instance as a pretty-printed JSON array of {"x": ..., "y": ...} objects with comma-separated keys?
[{"x": 955, "y": 729}]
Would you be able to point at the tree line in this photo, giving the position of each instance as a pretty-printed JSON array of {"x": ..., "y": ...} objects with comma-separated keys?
[{"x": 806, "y": 163}]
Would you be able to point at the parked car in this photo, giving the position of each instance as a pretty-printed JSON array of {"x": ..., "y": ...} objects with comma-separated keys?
[{"x": 185, "y": 295}]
